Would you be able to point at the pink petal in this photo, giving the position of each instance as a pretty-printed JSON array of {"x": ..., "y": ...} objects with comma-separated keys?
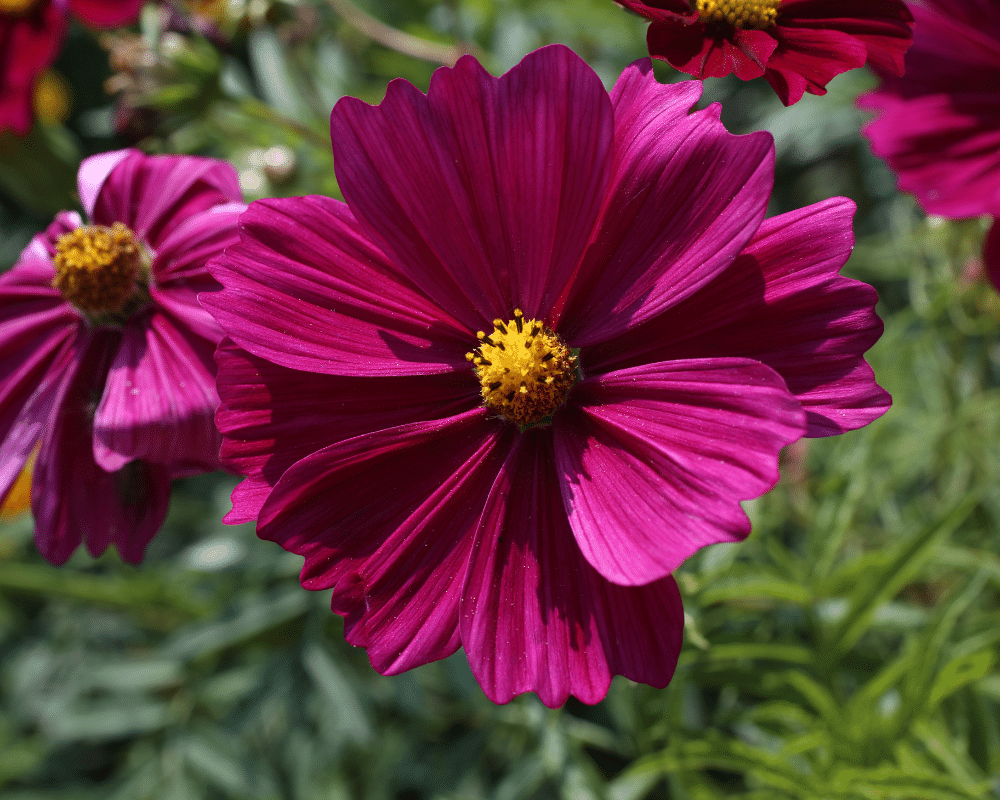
[
  {"x": 182, "y": 255},
  {"x": 272, "y": 416},
  {"x": 654, "y": 460},
  {"x": 782, "y": 302},
  {"x": 74, "y": 500},
  {"x": 387, "y": 520},
  {"x": 159, "y": 401},
  {"x": 536, "y": 617},
  {"x": 306, "y": 290},
  {"x": 485, "y": 191},
  {"x": 153, "y": 196},
  {"x": 685, "y": 198},
  {"x": 106, "y": 13},
  {"x": 94, "y": 171}
]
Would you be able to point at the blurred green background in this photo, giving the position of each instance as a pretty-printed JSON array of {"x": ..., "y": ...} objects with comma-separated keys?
[{"x": 847, "y": 649}]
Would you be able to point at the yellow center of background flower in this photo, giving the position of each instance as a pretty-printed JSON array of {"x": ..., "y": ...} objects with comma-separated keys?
[
  {"x": 741, "y": 14},
  {"x": 16, "y": 6},
  {"x": 97, "y": 268},
  {"x": 525, "y": 369}
]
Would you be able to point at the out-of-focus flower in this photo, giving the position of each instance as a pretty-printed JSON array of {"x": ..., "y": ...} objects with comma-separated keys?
[
  {"x": 797, "y": 45},
  {"x": 31, "y": 33},
  {"x": 938, "y": 125},
  {"x": 535, "y": 361},
  {"x": 105, "y": 354}
]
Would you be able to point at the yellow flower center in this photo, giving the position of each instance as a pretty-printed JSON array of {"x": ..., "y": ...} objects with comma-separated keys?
[
  {"x": 16, "y": 6},
  {"x": 525, "y": 369},
  {"x": 758, "y": 14},
  {"x": 51, "y": 97},
  {"x": 99, "y": 269}
]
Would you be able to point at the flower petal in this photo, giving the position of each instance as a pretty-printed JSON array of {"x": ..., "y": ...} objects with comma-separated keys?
[
  {"x": 700, "y": 51},
  {"x": 38, "y": 338},
  {"x": 654, "y": 460},
  {"x": 783, "y": 303},
  {"x": 272, "y": 416},
  {"x": 159, "y": 400},
  {"x": 183, "y": 254},
  {"x": 106, "y": 13},
  {"x": 685, "y": 198},
  {"x": 73, "y": 499},
  {"x": 395, "y": 559},
  {"x": 153, "y": 196},
  {"x": 485, "y": 190},
  {"x": 306, "y": 290},
  {"x": 807, "y": 60},
  {"x": 537, "y": 617}
]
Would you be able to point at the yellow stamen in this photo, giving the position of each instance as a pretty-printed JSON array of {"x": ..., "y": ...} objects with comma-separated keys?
[
  {"x": 98, "y": 268},
  {"x": 757, "y": 14},
  {"x": 525, "y": 369},
  {"x": 16, "y": 6}
]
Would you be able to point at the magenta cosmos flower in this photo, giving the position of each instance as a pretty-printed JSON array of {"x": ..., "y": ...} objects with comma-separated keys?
[
  {"x": 938, "y": 125},
  {"x": 797, "y": 45},
  {"x": 535, "y": 361},
  {"x": 31, "y": 33},
  {"x": 106, "y": 368}
]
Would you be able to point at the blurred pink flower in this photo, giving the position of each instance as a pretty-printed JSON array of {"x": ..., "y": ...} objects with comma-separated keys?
[
  {"x": 31, "y": 33},
  {"x": 797, "y": 45},
  {"x": 105, "y": 354},
  {"x": 938, "y": 125},
  {"x": 534, "y": 362}
]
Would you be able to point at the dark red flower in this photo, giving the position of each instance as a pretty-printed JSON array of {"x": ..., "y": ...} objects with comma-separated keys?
[
  {"x": 797, "y": 45},
  {"x": 31, "y": 32}
]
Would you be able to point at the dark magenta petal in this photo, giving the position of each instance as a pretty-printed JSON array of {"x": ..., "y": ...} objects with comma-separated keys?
[
  {"x": 273, "y": 416},
  {"x": 38, "y": 336},
  {"x": 939, "y": 130},
  {"x": 536, "y": 617},
  {"x": 106, "y": 13},
  {"x": 786, "y": 281},
  {"x": 484, "y": 191},
  {"x": 305, "y": 289},
  {"x": 387, "y": 521},
  {"x": 28, "y": 44},
  {"x": 685, "y": 198},
  {"x": 159, "y": 400},
  {"x": 153, "y": 196},
  {"x": 72, "y": 499},
  {"x": 653, "y": 460}
]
